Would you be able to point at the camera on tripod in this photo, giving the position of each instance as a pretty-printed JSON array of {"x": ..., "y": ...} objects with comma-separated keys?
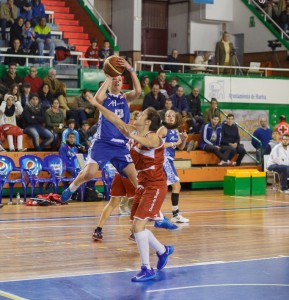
[{"x": 273, "y": 44}]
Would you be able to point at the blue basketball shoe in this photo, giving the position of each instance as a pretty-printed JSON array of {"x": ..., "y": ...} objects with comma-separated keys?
[
  {"x": 163, "y": 258},
  {"x": 66, "y": 195},
  {"x": 166, "y": 224},
  {"x": 144, "y": 275}
]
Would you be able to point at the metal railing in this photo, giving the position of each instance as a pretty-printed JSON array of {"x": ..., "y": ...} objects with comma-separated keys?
[{"x": 50, "y": 58}]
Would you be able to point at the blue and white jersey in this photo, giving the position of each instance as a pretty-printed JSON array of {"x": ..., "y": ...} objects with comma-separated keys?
[
  {"x": 171, "y": 137},
  {"x": 106, "y": 131}
]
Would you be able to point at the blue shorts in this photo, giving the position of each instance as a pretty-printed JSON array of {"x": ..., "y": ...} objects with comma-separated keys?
[
  {"x": 118, "y": 154},
  {"x": 171, "y": 172}
]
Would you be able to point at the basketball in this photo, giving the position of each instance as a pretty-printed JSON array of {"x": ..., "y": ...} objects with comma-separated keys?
[{"x": 111, "y": 67}]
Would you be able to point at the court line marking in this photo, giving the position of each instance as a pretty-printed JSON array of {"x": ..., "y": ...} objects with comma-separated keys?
[
  {"x": 218, "y": 285},
  {"x": 11, "y": 296},
  {"x": 131, "y": 270}
]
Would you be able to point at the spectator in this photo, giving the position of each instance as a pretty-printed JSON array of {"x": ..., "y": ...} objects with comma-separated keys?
[
  {"x": 33, "y": 117},
  {"x": 173, "y": 58},
  {"x": 163, "y": 83},
  {"x": 231, "y": 139},
  {"x": 78, "y": 115},
  {"x": 8, "y": 15},
  {"x": 28, "y": 36},
  {"x": 105, "y": 52},
  {"x": 38, "y": 11},
  {"x": 84, "y": 105},
  {"x": 25, "y": 8},
  {"x": 168, "y": 106},
  {"x": 282, "y": 127},
  {"x": 263, "y": 134},
  {"x": 272, "y": 10},
  {"x": 145, "y": 85},
  {"x": 71, "y": 129},
  {"x": 52, "y": 81},
  {"x": 54, "y": 121},
  {"x": 201, "y": 60},
  {"x": 16, "y": 31},
  {"x": 279, "y": 162},
  {"x": 211, "y": 141},
  {"x": 43, "y": 39},
  {"x": 32, "y": 78},
  {"x": 284, "y": 19},
  {"x": 174, "y": 84},
  {"x": 11, "y": 76},
  {"x": 92, "y": 52},
  {"x": 194, "y": 110},
  {"x": 15, "y": 50},
  {"x": 224, "y": 54},
  {"x": 67, "y": 151},
  {"x": 45, "y": 97},
  {"x": 211, "y": 111},
  {"x": 14, "y": 91},
  {"x": 154, "y": 99},
  {"x": 9, "y": 110},
  {"x": 180, "y": 104},
  {"x": 273, "y": 142},
  {"x": 25, "y": 95},
  {"x": 84, "y": 135}
]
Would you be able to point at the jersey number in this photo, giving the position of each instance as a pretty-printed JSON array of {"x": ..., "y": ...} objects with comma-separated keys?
[
  {"x": 119, "y": 113},
  {"x": 128, "y": 158}
]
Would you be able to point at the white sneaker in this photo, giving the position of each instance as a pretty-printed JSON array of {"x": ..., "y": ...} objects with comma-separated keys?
[
  {"x": 2, "y": 149},
  {"x": 179, "y": 219},
  {"x": 222, "y": 163},
  {"x": 284, "y": 191}
]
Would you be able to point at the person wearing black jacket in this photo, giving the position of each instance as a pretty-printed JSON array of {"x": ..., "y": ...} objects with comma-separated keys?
[
  {"x": 15, "y": 50},
  {"x": 194, "y": 103},
  {"x": 33, "y": 118},
  {"x": 16, "y": 31},
  {"x": 154, "y": 99},
  {"x": 231, "y": 139}
]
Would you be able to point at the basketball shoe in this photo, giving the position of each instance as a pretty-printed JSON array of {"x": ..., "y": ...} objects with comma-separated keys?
[
  {"x": 166, "y": 224},
  {"x": 66, "y": 195},
  {"x": 163, "y": 258},
  {"x": 144, "y": 275},
  {"x": 97, "y": 235}
]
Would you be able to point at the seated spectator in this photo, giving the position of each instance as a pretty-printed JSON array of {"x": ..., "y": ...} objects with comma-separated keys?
[
  {"x": 71, "y": 129},
  {"x": 38, "y": 11},
  {"x": 34, "y": 118},
  {"x": 163, "y": 83},
  {"x": 45, "y": 97},
  {"x": 231, "y": 139},
  {"x": 201, "y": 60},
  {"x": 28, "y": 36},
  {"x": 11, "y": 76},
  {"x": 9, "y": 110},
  {"x": 154, "y": 99},
  {"x": 272, "y": 10},
  {"x": 272, "y": 143},
  {"x": 52, "y": 81},
  {"x": 32, "y": 78},
  {"x": 25, "y": 95},
  {"x": 25, "y": 8},
  {"x": 279, "y": 162},
  {"x": 145, "y": 85},
  {"x": 15, "y": 50},
  {"x": 8, "y": 15},
  {"x": 68, "y": 149},
  {"x": 168, "y": 106},
  {"x": 78, "y": 115},
  {"x": 282, "y": 127},
  {"x": 211, "y": 141},
  {"x": 173, "y": 58},
  {"x": 43, "y": 39},
  {"x": 54, "y": 121},
  {"x": 92, "y": 52},
  {"x": 174, "y": 84},
  {"x": 284, "y": 19},
  {"x": 84, "y": 105},
  {"x": 104, "y": 53},
  {"x": 211, "y": 111},
  {"x": 84, "y": 135},
  {"x": 16, "y": 31},
  {"x": 14, "y": 91},
  {"x": 180, "y": 104},
  {"x": 263, "y": 134},
  {"x": 194, "y": 110}
]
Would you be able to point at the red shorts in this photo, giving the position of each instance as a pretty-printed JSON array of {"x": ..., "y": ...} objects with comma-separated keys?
[
  {"x": 121, "y": 187},
  {"x": 148, "y": 201}
]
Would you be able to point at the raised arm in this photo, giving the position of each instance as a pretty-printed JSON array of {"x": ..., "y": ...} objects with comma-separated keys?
[{"x": 101, "y": 93}]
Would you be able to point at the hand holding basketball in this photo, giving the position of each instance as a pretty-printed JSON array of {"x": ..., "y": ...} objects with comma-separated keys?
[{"x": 114, "y": 66}]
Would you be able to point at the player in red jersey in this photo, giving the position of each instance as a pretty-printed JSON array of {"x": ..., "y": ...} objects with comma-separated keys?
[{"x": 148, "y": 156}]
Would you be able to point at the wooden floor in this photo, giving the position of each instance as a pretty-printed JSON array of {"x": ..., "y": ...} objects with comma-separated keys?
[{"x": 39, "y": 242}]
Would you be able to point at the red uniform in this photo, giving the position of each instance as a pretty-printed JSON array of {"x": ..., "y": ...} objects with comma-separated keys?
[
  {"x": 122, "y": 187},
  {"x": 152, "y": 181}
]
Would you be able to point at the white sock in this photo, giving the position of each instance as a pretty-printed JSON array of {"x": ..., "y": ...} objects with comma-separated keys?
[
  {"x": 73, "y": 187},
  {"x": 19, "y": 142},
  {"x": 155, "y": 243},
  {"x": 161, "y": 216},
  {"x": 141, "y": 239},
  {"x": 10, "y": 142},
  {"x": 175, "y": 208}
]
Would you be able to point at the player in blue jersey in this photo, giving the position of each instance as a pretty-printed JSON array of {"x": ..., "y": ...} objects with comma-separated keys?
[
  {"x": 172, "y": 140},
  {"x": 108, "y": 143}
]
